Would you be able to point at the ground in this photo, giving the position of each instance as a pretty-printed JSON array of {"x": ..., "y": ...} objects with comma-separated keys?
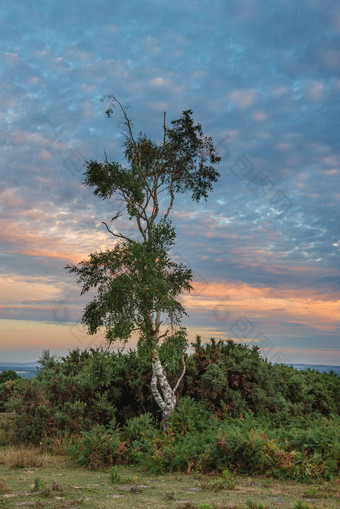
[{"x": 55, "y": 482}]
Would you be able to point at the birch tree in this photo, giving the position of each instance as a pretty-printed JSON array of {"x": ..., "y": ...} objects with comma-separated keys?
[{"x": 137, "y": 282}]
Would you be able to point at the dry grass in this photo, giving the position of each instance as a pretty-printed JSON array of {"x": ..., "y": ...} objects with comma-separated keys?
[
  {"x": 22, "y": 457},
  {"x": 4, "y": 439}
]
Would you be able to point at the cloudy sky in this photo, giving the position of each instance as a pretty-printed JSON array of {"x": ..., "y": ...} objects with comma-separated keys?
[{"x": 262, "y": 77}]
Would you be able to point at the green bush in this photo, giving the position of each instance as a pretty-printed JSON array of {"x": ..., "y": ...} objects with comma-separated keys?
[
  {"x": 7, "y": 383},
  {"x": 273, "y": 418},
  {"x": 98, "y": 448},
  {"x": 141, "y": 433},
  {"x": 191, "y": 416},
  {"x": 251, "y": 445}
]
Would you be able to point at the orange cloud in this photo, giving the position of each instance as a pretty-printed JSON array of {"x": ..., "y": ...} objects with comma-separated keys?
[
  {"x": 303, "y": 306},
  {"x": 72, "y": 246}
]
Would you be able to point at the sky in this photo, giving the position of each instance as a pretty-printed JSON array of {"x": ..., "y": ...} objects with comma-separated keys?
[{"x": 262, "y": 77}]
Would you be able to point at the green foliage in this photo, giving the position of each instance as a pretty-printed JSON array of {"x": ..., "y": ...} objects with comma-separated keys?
[
  {"x": 7, "y": 375},
  {"x": 143, "y": 272},
  {"x": 190, "y": 416},
  {"x": 224, "y": 380},
  {"x": 141, "y": 432},
  {"x": 248, "y": 445},
  {"x": 78, "y": 391},
  {"x": 103, "y": 397},
  {"x": 36, "y": 483},
  {"x": 114, "y": 475},
  {"x": 236, "y": 381},
  {"x": 171, "y": 351},
  {"x": 252, "y": 505},
  {"x": 224, "y": 482},
  {"x": 97, "y": 448},
  {"x": 301, "y": 505},
  {"x": 7, "y": 383}
]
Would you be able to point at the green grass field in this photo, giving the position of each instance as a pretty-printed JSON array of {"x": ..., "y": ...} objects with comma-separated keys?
[{"x": 31, "y": 478}]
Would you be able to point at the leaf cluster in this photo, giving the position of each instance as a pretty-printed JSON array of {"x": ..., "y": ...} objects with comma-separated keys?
[{"x": 136, "y": 283}]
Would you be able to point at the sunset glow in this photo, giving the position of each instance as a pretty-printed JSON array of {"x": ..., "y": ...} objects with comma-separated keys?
[{"x": 263, "y": 82}]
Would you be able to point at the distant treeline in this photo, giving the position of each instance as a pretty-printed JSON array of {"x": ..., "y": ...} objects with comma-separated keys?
[{"x": 29, "y": 370}]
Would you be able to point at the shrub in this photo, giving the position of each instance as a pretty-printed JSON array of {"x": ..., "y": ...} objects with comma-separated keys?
[
  {"x": 224, "y": 381},
  {"x": 98, "y": 448},
  {"x": 141, "y": 433},
  {"x": 191, "y": 416},
  {"x": 114, "y": 475},
  {"x": 7, "y": 383}
]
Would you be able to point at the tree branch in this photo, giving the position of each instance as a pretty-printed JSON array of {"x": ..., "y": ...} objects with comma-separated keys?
[
  {"x": 119, "y": 235},
  {"x": 127, "y": 120},
  {"x": 182, "y": 375}
]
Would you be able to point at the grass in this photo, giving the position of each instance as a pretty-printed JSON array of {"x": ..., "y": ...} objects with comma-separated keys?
[
  {"x": 58, "y": 484},
  {"x": 22, "y": 457}
]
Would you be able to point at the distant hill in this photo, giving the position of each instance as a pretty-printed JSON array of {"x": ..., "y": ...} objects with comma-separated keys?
[
  {"x": 23, "y": 369},
  {"x": 29, "y": 369},
  {"x": 318, "y": 367}
]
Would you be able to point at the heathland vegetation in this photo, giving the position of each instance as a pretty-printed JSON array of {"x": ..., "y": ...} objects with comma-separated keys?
[{"x": 237, "y": 414}]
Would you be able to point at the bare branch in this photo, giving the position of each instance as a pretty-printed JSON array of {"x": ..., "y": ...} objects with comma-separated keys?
[
  {"x": 119, "y": 235},
  {"x": 127, "y": 120},
  {"x": 164, "y": 335}
]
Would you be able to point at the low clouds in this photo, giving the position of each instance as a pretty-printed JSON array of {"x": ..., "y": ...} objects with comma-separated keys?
[{"x": 261, "y": 77}]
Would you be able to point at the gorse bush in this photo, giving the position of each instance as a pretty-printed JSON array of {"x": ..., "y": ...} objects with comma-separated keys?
[
  {"x": 8, "y": 379},
  {"x": 74, "y": 393},
  {"x": 235, "y": 411},
  {"x": 141, "y": 433},
  {"x": 85, "y": 388},
  {"x": 98, "y": 448}
]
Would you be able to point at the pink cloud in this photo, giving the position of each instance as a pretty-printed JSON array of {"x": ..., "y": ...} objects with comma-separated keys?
[{"x": 243, "y": 98}]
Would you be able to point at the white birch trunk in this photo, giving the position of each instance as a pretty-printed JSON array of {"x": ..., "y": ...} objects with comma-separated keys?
[{"x": 166, "y": 400}]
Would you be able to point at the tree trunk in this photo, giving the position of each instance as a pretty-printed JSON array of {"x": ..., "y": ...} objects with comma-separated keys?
[{"x": 167, "y": 400}]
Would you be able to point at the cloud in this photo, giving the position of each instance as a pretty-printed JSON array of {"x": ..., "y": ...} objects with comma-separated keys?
[{"x": 262, "y": 78}]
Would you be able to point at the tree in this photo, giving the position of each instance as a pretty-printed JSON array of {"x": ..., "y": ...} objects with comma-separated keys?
[
  {"x": 137, "y": 282},
  {"x": 8, "y": 375}
]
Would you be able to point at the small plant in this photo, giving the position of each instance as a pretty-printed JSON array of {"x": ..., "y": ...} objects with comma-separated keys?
[
  {"x": 301, "y": 505},
  {"x": 36, "y": 484},
  {"x": 204, "y": 506},
  {"x": 216, "y": 484},
  {"x": 225, "y": 482},
  {"x": 311, "y": 491},
  {"x": 114, "y": 475},
  {"x": 226, "y": 474},
  {"x": 252, "y": 505},
  {"x": 49, "y": 491},
  {"x": 130, "y": 479}
]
